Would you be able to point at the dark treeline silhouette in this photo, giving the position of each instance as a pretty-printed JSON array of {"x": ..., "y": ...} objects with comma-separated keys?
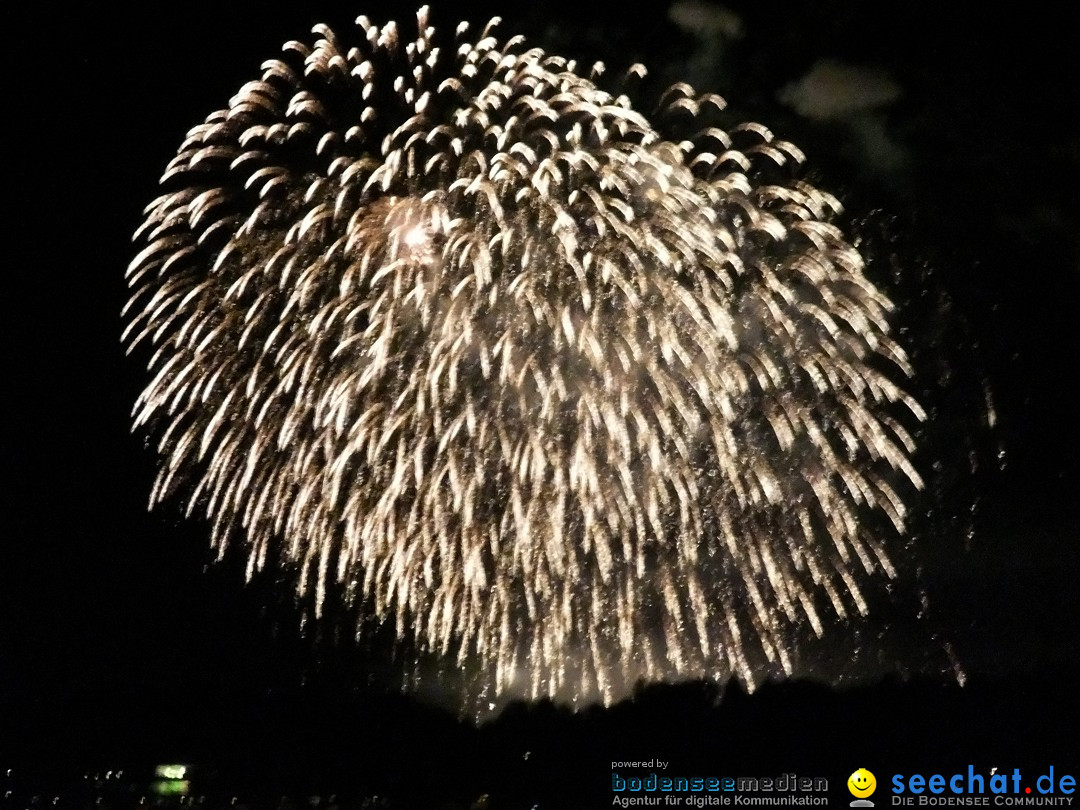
[{"x": 315, "y": 749}]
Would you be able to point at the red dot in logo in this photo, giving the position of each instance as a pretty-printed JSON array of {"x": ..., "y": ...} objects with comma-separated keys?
[{"x": 1027, "y": 790}]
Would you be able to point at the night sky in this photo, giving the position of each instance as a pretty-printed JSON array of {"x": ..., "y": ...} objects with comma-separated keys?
[{"x": 121, "y": 640}]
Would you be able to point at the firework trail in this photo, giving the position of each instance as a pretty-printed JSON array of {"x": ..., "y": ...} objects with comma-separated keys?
[{"x": 570, "y": 392}]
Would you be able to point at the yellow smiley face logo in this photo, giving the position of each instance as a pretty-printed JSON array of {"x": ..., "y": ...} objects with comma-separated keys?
[{"x": 861, "y": 783}]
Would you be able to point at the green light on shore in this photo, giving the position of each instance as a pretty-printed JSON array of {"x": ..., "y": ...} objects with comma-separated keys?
[
  {"x": 171, "y": 781},
  {"x": 171, "y": 771}
]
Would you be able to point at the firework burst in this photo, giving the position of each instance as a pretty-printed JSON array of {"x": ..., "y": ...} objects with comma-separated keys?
[{"x": 575, "y": 392}]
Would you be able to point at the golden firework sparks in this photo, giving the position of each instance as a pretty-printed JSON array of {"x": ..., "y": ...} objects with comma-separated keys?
[{"x": 568, "y": 388}]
